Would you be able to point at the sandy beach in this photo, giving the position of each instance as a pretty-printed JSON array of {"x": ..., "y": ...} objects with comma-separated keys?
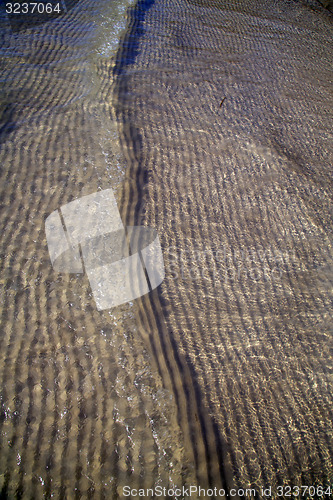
[{"x": 212, "y": 123}]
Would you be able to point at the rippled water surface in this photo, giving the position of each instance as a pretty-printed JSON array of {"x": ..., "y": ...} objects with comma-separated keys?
[{"x": 211, "y": 121}]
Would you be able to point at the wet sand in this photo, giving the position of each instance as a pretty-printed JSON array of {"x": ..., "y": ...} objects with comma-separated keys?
[
  {"x": 225, "y": 111},
  {"x": 83, "y": 409},
  {"x": 221, "y": 377}
]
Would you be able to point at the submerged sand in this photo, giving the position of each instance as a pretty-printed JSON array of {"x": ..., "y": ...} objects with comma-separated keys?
[{"x": 222, "y": 377}]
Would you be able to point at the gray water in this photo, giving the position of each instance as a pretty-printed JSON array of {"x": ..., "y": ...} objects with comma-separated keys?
[{"x": 211, "y": 122}]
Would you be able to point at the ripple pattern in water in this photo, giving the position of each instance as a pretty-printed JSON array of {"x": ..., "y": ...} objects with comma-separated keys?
[
  {"x": 226, "y": 113},
  {"x": 83, "y": 408},
  {"x": 223, "y": 376}
]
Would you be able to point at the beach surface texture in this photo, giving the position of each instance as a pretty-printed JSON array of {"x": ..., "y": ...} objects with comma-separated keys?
[{"x": 211, "y": 121}]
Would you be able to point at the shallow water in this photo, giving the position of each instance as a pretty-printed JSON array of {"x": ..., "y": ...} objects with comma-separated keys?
[
  {"x": 83, "y": 410},
  {"x": 222, "y": 376},
  {"x": 229, "y": 106}
]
